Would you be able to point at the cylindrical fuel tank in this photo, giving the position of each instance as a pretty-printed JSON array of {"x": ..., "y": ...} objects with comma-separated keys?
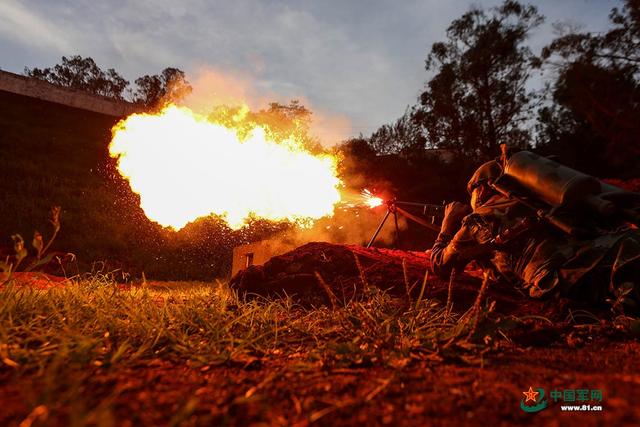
[{"x": 552, "y": 182}]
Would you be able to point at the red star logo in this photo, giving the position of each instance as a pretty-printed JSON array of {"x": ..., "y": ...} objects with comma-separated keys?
[{"x": 531, "y": 395}]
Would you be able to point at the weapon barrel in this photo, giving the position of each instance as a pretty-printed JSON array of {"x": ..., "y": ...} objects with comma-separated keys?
[
  {"x": 432, "y": 210},
  {"x": 400, "y": 202}
]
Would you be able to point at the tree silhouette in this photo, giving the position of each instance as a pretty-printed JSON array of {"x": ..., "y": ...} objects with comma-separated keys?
[
  {"x": 405, "y": 137},
  {"x": 170, "y": 85},
  {"x": 83, "y": 74},
  {"x": 593, "y": 120},
  {"x": 477, "y": 98}
]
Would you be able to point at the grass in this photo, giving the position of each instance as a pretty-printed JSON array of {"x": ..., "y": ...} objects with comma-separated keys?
[
  {"x": 87, "y": 352},
  {"x": 64, "y": 338},
  {"x": 100, "y": 323}
]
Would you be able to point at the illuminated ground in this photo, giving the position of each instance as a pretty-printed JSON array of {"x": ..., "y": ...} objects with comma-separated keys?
[{"x": 91, "y": 352}]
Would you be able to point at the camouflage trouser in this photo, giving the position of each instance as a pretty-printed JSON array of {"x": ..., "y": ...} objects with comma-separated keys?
[{"x": 615, "y": 279}]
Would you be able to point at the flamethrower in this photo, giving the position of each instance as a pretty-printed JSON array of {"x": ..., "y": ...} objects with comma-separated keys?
[
  {"x": 431, "y": 214},
  {"x": 569, "y": 200}
]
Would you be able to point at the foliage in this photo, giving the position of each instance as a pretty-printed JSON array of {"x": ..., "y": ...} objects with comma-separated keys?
[
  {"x": 404, "y": 137},
  {"x": 281, "y": 121},
  {"x": 477, "y": 98},
  {"x": 596, "y": 97},
  {"x": 40, "y": 258},
  {"x": 170, "y": 85},
  {"x": 616, "y": 48},
  {"x": 83, "y": 74}
]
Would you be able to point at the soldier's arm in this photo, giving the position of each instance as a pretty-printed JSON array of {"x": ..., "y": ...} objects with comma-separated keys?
[{"x": 455, "y": 251}]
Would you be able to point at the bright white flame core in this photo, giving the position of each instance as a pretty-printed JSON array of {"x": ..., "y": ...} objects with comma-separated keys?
[
  {"x": 185, "y": 167},
  {"x": 371, "y": 200}
]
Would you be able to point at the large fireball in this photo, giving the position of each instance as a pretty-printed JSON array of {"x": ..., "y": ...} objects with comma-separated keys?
[{"x": 185, "y": 167}]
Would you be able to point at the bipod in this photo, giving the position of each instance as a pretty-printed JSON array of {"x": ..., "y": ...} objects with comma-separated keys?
[{"x": 391, "y": 209}]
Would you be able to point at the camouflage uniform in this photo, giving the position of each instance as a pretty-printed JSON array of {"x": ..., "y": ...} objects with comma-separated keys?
[{"x": 542, "y": 260}]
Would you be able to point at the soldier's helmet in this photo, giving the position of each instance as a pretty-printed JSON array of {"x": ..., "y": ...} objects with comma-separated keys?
[{"x": 487, "y": 172}]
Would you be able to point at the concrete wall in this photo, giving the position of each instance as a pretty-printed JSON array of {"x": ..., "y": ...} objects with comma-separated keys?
[
  {"x": 39, "y": 89},
  {"x": 256, "y": 253}
]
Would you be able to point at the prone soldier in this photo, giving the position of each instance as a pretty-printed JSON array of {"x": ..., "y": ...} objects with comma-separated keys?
[{"x": 560, "y": 232}]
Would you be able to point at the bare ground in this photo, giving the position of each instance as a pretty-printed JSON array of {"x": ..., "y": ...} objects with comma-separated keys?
[{"x": 290, "y": 391}]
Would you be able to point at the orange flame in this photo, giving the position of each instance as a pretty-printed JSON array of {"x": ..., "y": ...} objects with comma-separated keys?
[
  {"x": 371, "y": 200},
  {"x": 185, "y": 167}
]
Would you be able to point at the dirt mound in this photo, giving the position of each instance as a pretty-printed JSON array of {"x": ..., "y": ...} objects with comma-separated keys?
[
  {"x": 299, "y": 273},
  {"x": 35, "y": 280}
]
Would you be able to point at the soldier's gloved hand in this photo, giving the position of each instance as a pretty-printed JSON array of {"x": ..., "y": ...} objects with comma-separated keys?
[{"x": 454, "y": 212}]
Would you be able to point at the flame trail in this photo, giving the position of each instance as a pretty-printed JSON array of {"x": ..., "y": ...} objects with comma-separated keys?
[
  {"x": 185, "y": 167},
  {"x": 371, "y": 200}
]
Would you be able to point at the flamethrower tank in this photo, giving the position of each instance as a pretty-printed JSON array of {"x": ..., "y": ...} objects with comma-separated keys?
[{"x": 556, "y": 184}]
